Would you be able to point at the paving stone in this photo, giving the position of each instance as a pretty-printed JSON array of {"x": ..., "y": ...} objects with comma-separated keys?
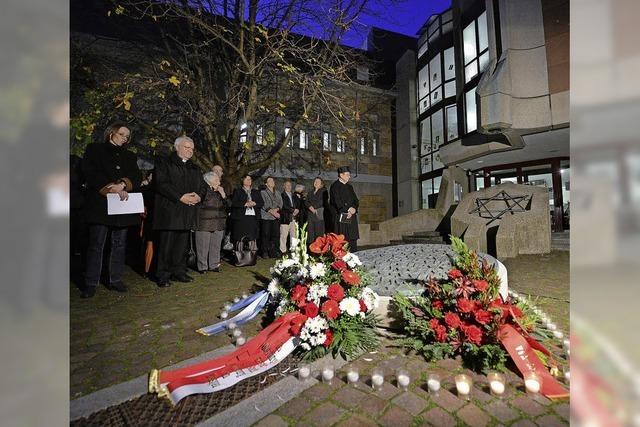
[
  {"x": 372, "y": 405},
  {"x": 387, "y": 391},
  {"x": 528, "y": 406},
  {"x": 550, "y": 421},
  {"x": 473, "y": 416},
  {"x": 439, "y": 418},
  {"x": 410, "y": 403},
  {"x": 395, "y": 417},
  {"x": 272, "y": 421},
  {"x": 295, "y": 408},
  {"x": 481, "y": 395},
  {"x": 448, "y": 401},
  {"x": 449, "y": 364},
  {"x": 564, "y": 410},
  {"x": 318, "y": 392},
  {"x": 349, "y": 397},
  {"x": 357, "y": 421},
  {"x": 325, "y": 414},
  {"x": 500, "y": 410}
]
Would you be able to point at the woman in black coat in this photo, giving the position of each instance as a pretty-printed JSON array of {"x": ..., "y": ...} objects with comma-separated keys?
[
  {"x": 315, "y": 204},
  {"x": 212, "y": 218},
  {"x": 108, "y": 168},
  {"x": 245, "y": 210}
]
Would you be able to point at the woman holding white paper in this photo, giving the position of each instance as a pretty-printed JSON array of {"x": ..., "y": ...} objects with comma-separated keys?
[{"x": 109, "y": 168}]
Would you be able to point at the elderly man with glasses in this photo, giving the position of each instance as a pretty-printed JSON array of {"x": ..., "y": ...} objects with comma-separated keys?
[{"x": 179, "y": 188}]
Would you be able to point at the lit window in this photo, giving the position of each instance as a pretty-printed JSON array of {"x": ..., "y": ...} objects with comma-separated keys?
[
  {"x": 374, "y": 147},
  {"x": 471, "y": 110},
  {"x": 243, "y": 133},
  {"x": 326, "y": 141},
  {"x": 304, "y": 141},
  {"x": 286, "y": 134},
  {"x": 476, "y": 47},
  {"x": 340, "y": 145},
  {"x": 452, "y": 123},
  {"x": 259, "y": 138},
  {"x": 363, "y": 146}
]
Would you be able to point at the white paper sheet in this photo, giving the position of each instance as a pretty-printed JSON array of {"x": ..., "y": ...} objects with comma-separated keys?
[{"x": 115, "y": 206}]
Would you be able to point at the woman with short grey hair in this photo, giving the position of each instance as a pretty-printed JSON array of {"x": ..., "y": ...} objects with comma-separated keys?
[{"x": 212, "y": 217}]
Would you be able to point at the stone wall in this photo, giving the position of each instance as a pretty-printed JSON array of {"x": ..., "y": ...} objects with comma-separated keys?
[{"x": 526, "y": 232}]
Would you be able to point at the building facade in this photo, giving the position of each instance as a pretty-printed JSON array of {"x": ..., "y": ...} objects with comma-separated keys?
[{"x": 487, "y": 102}]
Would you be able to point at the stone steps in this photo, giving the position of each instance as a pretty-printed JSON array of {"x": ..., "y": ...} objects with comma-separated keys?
[
  {"x": 423, "y": 240},
  {"x": 560, "y": 241}
]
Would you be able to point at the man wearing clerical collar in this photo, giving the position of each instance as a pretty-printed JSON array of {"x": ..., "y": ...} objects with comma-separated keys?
[{"x": 344, "y": 206}]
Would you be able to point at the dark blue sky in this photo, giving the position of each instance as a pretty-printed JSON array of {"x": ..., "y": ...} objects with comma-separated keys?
[{"x": 406, "y": 18}]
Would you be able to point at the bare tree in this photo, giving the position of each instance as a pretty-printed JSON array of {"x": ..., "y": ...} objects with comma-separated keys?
[{"x": 234, "y": 74}]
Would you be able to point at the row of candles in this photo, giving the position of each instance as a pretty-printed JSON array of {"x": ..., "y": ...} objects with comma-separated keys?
[{"x": 464, "y": 383}]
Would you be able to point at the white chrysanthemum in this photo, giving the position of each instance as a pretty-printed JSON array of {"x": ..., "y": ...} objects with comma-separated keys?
[
  {"x": 370, "y": 298},
  {"x": 273, "y": 288},
  {"x": 350, "y": 305},
  {"x": 352, "y": 260},
  {"x": 316, "y": 324},
  {"x": 281, "y": 307},
  {"x": 305, "y": 346},
  {"x": 317, "y": 270},
  {"x": 318, "y": 339},
  {"x": 316, "y": 292}
]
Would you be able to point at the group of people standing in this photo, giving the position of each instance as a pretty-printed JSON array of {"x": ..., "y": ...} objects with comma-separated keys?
[{"x": 185, "y": 200}]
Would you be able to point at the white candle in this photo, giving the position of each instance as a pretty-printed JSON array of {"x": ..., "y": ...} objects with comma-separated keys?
[
  {"x": 227, "y": 307},
  {"x": 236, "y": 299},
  {"x": 532, "y": 385},
  {"x": 224, "y": 315},
  {"x": 567, "y": 376},
  {"x": 240, "y": 341},
  {"x": 377, "y": 380},
  {"x": 497, "y": 387},
  {"x": 558, "y": 334},
  {"x": 245, "y": 296},
  {"x": 237, "y": 333},
  {"x": 433, "y": 384},
  {"x": 304, "y": 372},
  {"x": 403, "y": 380},
  {"x": 551, "y": 326},
  {"x": 566, "y": 344},
  {"x": 463, "y": 387},
  {"x": 231, "y": 325},
  {"x": 353, "y": 376},
  {"x": 327, "y": 374}
]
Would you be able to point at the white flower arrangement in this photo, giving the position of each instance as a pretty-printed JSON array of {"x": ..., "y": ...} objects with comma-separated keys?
[
  {"x": 370, "y": 298},
  {"x": 274, "y": 287},
  {"x": 317, "y": 270},
  {"x": 317, "y": 291},
  {"x": 352, "y": 260}
]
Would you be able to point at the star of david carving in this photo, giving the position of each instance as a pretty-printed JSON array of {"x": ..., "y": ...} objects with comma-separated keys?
[{"x": 513, "y": 204}]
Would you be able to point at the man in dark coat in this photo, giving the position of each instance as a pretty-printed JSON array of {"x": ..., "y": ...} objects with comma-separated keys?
[
  {"x": 179, "y": 188},
  {"x": 291, "y": 207},
  {"x": 344, "y": 206},
  {"x": 108, "y": 168}
]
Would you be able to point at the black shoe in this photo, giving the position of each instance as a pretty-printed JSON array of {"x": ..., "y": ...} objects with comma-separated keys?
[
  {"x": 182, "y": 278},
  {"x": 201, "y": 271},
  {"x": 218, "y": 269},
  {"x": 164, "y": 283},
  {"x": 88, "y": 292},
  {"x": 118, "y": 286}
]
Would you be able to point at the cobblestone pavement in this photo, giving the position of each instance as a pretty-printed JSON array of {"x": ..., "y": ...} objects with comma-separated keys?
[{"x": 116, "y": 337}]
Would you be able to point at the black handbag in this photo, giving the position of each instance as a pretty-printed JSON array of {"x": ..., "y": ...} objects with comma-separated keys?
[
  {"x": 192, "y": 259},
  {"x": 246, "y": 257}
]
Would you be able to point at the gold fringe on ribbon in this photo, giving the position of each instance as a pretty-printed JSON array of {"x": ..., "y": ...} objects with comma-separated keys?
[{"x": 154, "y": 387}]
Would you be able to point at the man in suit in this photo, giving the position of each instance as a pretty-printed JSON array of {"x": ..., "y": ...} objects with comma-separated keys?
[
  {"x": 179, "y": 188},
  {"x": 290, "y": 210}
]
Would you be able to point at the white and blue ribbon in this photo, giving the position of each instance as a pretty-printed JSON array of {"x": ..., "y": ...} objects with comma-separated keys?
[{"x": 252, "y": 306}]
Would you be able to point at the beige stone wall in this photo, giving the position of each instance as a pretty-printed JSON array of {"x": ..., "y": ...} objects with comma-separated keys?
[{"x": 395, "y": 228}]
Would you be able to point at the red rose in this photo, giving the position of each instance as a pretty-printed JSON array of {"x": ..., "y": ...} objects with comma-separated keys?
[
  {"x": 339, "y": 265},
  {"x": 311, "y": 309},
  {"x": 331, "y": 309},
  {"x": 483, "y": 317},
  {"x": 329, "y": 334},
  {"x": 363, "y": 306},
  {"x": 454, "y": 273},
  {"x": 452, "y": 320},
  {"x": 335, "y": 292},
  {"x": 465, "y": 306},
  {"x": 299, "y": 295},
  {"x": 441, "y": 333},
  {"x": 434, "y": 323},
  {"x": 437, "y": 304},
  {"x": 480, "y": 285},
  {"x": 473, "y": 334},
  {"x": 351, "y": 277},
  {"x": 297, "y": 324},
  {"x": 320, "y": 246}
]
